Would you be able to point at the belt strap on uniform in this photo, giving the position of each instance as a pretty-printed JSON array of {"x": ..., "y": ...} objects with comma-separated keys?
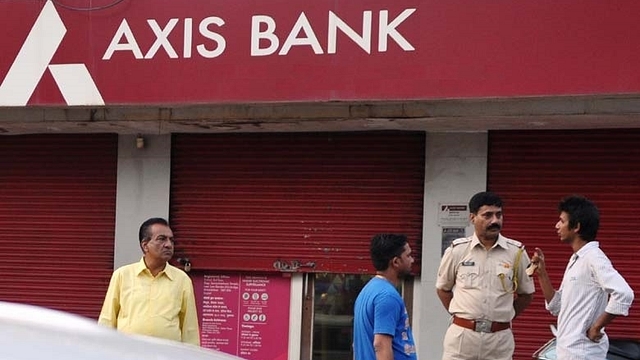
[{"x": 481, "y": 325}]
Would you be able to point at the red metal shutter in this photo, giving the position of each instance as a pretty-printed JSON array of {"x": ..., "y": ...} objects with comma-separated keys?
[
  {"x": 532, "y": 171},
  {"x": 245, "y": 201},
  {"x": 57, "y": 215}
]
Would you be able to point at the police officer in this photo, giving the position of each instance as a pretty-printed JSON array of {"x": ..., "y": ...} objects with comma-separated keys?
[{"x": 482, "y": 283}]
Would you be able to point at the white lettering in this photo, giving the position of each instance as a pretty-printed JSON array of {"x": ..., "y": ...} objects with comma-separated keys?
[
  {"x": 336, "y": 23},
  {"x": 389, "y": 29},
  {"x": 188, "y": 38},
  {"x": 268, "y": 34},
  {"x": 293, "y": 40},
  {"x": 129, "y": 45},
  {"x": 204, "y": 31},
  {"x": 302, "y": 33},
  {"x": 161, "y": 39},
  {"x": 264, "y": 40}
]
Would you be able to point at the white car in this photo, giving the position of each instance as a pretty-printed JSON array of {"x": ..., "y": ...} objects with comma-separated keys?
[{"x": 35, "y": 333}]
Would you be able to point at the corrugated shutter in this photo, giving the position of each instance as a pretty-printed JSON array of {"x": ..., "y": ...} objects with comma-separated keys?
[
  {"x": 245, "y": 201},
  {"x": 57, "y": 215},
  {"x": 532, "y": 171}
]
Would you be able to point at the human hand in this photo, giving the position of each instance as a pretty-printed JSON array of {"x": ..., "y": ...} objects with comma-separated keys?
[
  {"x": 537, "y": 263},
  {"x": 594, "y": 334}
]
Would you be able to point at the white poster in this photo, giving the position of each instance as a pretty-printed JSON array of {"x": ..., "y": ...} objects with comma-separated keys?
[{"x": 453, "y": 215}]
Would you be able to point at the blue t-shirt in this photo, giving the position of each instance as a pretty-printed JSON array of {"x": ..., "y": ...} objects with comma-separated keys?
[{"x": 379, "y": 309}]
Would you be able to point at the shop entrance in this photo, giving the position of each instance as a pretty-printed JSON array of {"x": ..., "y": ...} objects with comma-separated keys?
[{"x": 334, "y": 297}]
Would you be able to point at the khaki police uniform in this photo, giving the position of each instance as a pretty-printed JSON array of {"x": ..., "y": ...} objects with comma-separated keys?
[{"x": 483, "y": 285}]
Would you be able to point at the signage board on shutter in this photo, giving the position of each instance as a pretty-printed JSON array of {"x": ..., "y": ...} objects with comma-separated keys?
[{"x": 244, "y": 314}]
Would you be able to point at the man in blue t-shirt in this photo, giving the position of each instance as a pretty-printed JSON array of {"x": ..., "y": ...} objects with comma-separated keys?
[{"x": 381, "y": 328}]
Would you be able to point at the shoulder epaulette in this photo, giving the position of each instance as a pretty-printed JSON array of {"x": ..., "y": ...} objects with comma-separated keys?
[
  {"x": 460, "y": 241},
  {"x": 515, "y": 243}
]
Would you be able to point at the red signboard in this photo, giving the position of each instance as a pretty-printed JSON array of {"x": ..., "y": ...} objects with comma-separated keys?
[
  {"x": 79, "y": 52},
  {"x": 244, "y": 315}
]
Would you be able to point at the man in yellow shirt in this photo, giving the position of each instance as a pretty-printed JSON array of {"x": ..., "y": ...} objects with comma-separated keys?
[{"x": 151, "y": 297}]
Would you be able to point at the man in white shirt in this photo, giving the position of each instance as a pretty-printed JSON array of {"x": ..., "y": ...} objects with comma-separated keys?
[{"x": 592, "y": 292}]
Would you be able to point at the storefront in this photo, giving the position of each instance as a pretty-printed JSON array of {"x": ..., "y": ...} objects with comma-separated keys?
[
  {"x": 277, "y": 204},
  {"x": 277, "y": 137}
]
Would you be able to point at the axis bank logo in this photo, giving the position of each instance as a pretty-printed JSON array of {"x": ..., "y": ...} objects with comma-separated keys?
[{"x": 34, "y": 58}]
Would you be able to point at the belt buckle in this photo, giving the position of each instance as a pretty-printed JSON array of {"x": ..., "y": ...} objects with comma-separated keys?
[{"x": 483, "y": 326}]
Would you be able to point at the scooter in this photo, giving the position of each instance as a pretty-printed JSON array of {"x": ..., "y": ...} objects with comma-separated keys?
[{"x": 619, "y": 349}]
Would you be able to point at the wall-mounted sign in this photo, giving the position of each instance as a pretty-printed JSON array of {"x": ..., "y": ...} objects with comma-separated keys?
[
  {"x": 449, "y": 234},
  {"x": 78, "y": 52},
  {"x": 453, "y": 215},
  {"x": 244, "y": 315}
]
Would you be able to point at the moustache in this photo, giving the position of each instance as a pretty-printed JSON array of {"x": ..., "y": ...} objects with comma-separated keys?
[{"x": 494, "y": 227}]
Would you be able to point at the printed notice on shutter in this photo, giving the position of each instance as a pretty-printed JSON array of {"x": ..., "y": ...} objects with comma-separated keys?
[
  {"x": 453, "y": 215},
  {"x": 244, "y": 315}
]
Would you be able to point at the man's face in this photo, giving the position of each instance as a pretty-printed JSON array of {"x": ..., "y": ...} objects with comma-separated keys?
[
  {"x": 160, "y": 244},
  {"x": 404, "y": 261},
  {"x": 487, "y": 222},
  {"x": 562, "y": 228}
]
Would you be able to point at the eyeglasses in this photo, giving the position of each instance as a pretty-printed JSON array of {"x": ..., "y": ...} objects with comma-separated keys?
[{"x": 162, "y": 239}]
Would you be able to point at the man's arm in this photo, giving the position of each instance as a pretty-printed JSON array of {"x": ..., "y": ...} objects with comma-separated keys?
[
  {"x": 521, "y": 302},
  {"x": 446, "y": 278},
  {"x": 620, "y": 295},
  {"x": 445, "y": 297},
  {"x": 595, "y": 331},
  {"x": 111, "y": 305},
  {"x": 189, "y": 317},
  {"x": 382, "y": 346},
  {"x": 543, "y": 277}
]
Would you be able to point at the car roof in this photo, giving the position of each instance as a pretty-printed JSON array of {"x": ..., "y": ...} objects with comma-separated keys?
[{"x": 28, "y": 333}]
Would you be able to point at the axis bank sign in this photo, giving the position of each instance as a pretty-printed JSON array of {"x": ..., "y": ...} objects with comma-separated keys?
[
  {"x": 99, "y": 57},
  {"x": 128, "y": 38},
  {"x": 155, "y": 52},
  {"x": 264, "y": 41}
]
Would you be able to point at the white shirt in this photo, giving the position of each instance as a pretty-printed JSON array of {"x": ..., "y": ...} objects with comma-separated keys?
[{"x": 590, "y": 286}]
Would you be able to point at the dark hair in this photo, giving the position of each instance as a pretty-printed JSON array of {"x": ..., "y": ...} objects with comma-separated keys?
[
  {"x": 385, "y": 247},
  {"x": 484, "y": 198},
  {"x": 584, "y": 212},
  {"x": 143, "y": 233}
]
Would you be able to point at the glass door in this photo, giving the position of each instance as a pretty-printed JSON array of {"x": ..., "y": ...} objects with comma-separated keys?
[
  {"x": 334, "y": 298},
  {"x": 327, "y": 319}
]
